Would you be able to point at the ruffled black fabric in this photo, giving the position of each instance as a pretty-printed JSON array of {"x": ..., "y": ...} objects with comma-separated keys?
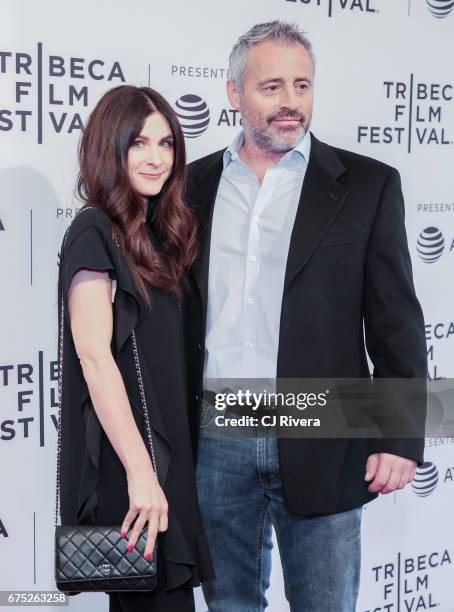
[{"x": 89, "y": 244}]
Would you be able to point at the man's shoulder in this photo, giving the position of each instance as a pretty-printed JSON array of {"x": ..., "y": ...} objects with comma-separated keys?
[
  {"x": 357, "y": 162},
  {"x": 360, "y": 161},
  {"x": 207, "y": 161}
]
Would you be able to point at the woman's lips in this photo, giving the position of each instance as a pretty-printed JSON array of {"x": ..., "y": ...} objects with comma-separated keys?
[{"x": 151, "y": 177}]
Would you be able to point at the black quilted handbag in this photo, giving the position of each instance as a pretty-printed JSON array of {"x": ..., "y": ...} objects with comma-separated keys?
[{"x": 93, "y": 557}]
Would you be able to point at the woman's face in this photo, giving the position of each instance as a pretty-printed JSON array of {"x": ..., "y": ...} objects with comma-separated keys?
[{"x": 150, "y": 157}]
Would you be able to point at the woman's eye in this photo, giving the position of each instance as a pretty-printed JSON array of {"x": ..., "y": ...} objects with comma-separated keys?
[{"x": 137, "y": 143}]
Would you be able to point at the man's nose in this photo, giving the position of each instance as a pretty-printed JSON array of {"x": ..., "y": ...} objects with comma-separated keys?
[{"x": 289, "y": 98}]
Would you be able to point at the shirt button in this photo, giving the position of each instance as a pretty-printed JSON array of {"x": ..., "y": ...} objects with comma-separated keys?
[
  {"x": 250, "y": 344},
  {"x": 250, "y": 300},
  {"x": 199, "y": 347},
  {"x": 256, "y": 218},
  {"x": 253, "y": 258},
  {"x": 197, "y": 397}
]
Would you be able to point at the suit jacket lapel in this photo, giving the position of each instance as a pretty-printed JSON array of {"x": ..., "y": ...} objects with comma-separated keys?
[
  {"x": 320, "y": 201},
  {"x": 203, "y": 198}
]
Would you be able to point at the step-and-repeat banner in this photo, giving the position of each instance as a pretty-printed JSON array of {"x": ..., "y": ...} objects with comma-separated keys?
[{"x": 384, "y": 88}]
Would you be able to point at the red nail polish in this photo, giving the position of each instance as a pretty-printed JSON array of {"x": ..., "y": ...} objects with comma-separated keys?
[
  {"x": 123, "y": 534},
  {"x": 130, "y": 547},
  {"x": 148, "y": 556}
]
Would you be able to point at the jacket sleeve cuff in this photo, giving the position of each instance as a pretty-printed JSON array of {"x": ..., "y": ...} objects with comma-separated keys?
[{"x": 411, "y": 448}]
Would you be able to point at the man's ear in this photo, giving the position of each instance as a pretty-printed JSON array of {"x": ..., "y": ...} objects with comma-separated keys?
[{"x": 233, "y": 94}]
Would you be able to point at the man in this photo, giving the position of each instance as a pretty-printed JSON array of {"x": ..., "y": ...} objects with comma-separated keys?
[{"x": 301, "y": 245}]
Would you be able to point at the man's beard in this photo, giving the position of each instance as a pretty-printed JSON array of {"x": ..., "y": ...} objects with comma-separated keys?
[{"x": 269, "y": 142}]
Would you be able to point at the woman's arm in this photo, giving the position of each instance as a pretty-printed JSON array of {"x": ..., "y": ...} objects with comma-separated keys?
[{"x": 91, "y": 317}]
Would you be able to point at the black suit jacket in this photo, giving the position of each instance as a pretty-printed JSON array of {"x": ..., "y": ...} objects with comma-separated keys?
[{"x": 348, "y": 264}]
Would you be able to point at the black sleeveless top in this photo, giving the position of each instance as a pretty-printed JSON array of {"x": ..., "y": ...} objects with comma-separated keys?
[{"x": 93, "y": 479}]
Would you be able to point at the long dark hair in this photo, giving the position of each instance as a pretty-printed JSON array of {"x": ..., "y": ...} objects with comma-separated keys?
[{"x": 103, "y": 181}]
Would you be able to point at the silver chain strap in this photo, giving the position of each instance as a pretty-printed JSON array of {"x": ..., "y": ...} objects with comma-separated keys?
[
  {"x": 144, "y": 401},
  {"x": 61, "y": 322},
  {"x": 60, "y": 384}
]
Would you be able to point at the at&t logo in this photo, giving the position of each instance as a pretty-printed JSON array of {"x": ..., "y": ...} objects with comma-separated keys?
[
  {"x": 430, "y": 244},
  {"x": 425, "y": 479},
  {"x": 440, "y": 8},
  {"x": 193, "y": 114}
]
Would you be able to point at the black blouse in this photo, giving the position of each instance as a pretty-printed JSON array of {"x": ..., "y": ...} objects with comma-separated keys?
[{"x": 93, "y": 479}]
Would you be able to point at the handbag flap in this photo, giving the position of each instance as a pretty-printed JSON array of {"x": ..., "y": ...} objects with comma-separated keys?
[{"x": 91, "y": 552}]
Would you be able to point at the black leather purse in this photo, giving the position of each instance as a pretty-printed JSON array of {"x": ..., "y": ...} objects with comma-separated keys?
[{"x": 93, "y": 557}]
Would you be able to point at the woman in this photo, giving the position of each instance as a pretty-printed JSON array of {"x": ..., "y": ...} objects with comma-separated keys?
[{"x": 122, "y": 268}]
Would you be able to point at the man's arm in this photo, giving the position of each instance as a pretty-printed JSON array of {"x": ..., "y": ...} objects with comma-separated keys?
[{"x": 395, "y": 336}]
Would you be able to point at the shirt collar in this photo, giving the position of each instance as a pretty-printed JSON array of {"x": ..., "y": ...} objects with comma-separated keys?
[{"x": 301, "y": 150}]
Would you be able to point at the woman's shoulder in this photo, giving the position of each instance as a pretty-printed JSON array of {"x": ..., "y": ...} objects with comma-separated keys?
[
  {"x": 89, "y": 219},
  {"x": 88, "y": 244}
]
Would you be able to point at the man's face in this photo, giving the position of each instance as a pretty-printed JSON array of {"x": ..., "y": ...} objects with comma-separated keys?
[{"x": 276, "y": 101}]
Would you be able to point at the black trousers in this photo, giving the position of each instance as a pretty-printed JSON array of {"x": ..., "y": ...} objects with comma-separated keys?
[{"x": 180, "y": 599}]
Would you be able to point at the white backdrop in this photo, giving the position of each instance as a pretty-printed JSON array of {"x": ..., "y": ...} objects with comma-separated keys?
[{"x": 384, "y": 87}]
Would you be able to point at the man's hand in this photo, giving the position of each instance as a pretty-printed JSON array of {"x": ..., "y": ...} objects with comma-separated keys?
[{"x": 389, "y": 472}]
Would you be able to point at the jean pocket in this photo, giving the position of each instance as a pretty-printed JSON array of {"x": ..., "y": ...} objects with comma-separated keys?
[{"x": 207, "y": 414}]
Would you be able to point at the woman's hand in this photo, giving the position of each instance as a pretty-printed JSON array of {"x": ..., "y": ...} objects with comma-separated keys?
[{"x": 147, "y": 503}]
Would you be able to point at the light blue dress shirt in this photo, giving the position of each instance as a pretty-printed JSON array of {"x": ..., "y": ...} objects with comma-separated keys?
[{"x": 250, "y": 238}]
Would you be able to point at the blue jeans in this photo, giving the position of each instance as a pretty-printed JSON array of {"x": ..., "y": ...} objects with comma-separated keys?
[{"x": 240, "y": 495}]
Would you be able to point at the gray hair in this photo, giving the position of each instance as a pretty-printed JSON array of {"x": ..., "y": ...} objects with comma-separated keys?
[{"x": 281, "y": 32}]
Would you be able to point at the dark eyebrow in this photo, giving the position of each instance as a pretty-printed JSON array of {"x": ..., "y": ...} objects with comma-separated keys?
[
  {"x": 166, "y": 137},
  {"x": 280, "y": 81}
]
